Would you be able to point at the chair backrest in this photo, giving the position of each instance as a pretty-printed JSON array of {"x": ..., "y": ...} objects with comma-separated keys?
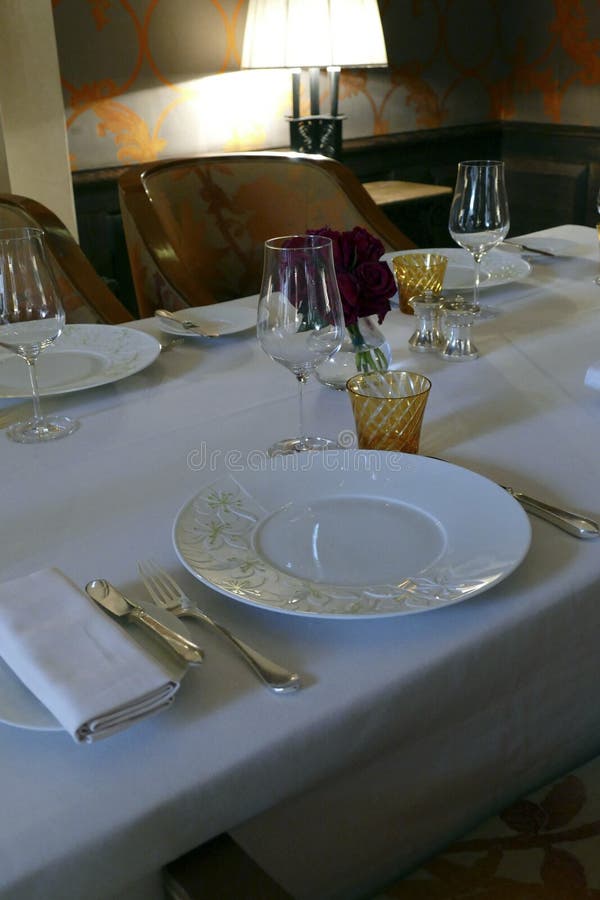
[
  {"x": 195, "y": 228},
  {"x": 85, "y": 296}
]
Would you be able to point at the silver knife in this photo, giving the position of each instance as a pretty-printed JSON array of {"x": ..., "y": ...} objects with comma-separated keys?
[
  {"x": 573, "y": 523},
  {"x": 529, "y": 249},
  {"x": 111, "y": 599}
]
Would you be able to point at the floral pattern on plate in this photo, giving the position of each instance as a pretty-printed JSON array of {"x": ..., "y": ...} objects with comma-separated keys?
[{"x": 217, "y": 536}]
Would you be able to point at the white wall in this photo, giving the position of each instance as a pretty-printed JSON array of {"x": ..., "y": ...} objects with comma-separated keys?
[{"x": 34, "y": 158}]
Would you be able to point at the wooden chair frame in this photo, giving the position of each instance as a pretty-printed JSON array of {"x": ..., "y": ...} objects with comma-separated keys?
[{"x": 61, "y": 244}]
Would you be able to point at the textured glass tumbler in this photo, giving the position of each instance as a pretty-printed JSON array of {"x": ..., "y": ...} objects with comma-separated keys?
[
  {"x": 388, "y": 409},
  {"x": 417, "y": 273}
]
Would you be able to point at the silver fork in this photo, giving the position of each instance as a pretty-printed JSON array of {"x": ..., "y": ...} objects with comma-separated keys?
[{"x": 165, "y": 592}]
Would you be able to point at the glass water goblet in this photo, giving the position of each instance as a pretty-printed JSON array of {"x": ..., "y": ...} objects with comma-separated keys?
[
  {"x": 479, "y": 216},
  {"x": 31, "y": 318},
  {"x": 300, "y": 319}
]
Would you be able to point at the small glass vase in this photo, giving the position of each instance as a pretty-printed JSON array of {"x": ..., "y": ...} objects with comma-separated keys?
[{"x": 364, "y": 349}]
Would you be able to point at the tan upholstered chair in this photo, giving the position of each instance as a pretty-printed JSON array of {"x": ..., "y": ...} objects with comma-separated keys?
[
  {"x": 195, "y": 228},
  {"x": 85, "y": 296}
]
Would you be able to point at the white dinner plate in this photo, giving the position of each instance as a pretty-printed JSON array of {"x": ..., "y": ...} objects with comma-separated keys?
[
  {"x": 351, "y": 534},
  {"x": 21, "y": 709},
  {"x": 229, "y": 317},
  {"x": 497, "y": 267},
  {"x": 84, "y": 356}
]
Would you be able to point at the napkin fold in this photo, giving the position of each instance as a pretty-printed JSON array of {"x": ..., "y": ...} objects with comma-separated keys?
[
  {"x": 592, "y": 376},
  {"x": 83, "y": 666}
]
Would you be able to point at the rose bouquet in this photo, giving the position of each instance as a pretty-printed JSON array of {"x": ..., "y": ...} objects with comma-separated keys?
[{"x": 365, "y": 284}]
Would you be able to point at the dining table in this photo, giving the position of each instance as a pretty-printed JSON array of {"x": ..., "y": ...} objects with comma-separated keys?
[{"x": 407, "y": 729}]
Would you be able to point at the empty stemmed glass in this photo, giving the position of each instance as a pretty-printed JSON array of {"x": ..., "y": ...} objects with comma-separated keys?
[
  {"x": 300, "y": 318},
  {"x": 31, "y": 318},
  {"x": 479, "y": 217}
]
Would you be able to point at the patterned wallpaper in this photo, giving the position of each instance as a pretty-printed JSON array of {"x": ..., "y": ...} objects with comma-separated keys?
[{"x": 149, "y": 79}]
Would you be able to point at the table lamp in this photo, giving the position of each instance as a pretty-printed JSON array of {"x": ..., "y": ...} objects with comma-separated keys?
[{"x": 314, "y": 34}]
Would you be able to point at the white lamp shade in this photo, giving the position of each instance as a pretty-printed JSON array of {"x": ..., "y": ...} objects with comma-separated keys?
[{"x": 297, "y": 34}]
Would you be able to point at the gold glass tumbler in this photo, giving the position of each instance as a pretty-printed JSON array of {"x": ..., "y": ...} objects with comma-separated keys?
[
  {"x": 388, "y": 409},
  {"x": 417, "y": 273}
]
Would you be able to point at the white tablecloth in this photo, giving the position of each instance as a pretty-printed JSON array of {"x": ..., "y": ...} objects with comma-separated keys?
[{"x": 408, "y": 729}]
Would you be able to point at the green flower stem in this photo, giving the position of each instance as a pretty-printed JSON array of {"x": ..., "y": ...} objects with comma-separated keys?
[{"x": 368, "y": 359}]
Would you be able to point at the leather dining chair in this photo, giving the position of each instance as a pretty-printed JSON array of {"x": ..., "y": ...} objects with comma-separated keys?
[
  {"x": 195, "y": 227},
  {"x": 85, "y": 296}
]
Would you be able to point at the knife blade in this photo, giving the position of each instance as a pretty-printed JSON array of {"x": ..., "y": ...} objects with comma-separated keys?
[
  {"x": 528, "y": 248},
  {"x": 572, "y": 522},
  {"x": 114, "y": 601}
]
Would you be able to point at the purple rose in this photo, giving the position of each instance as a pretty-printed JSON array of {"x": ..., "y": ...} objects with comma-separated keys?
[
  {"x": 339, "y": 257},
  {"x": 347, "y": 251},
  {"x": 367, "y": 247},
  {"x": 365, "y": 284},
  {"x": 350, "y": 295},
  {"x": 376, "y": 285}
]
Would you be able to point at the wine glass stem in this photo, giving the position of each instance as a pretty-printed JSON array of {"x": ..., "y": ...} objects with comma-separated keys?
[
  {"x": 477, "y": 257},
  {"x": 302, "y": 379},
  {"x": 35, "y": 391}
]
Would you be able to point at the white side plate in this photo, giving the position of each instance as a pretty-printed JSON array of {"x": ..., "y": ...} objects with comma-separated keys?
[{"x": 229, "y": 317}]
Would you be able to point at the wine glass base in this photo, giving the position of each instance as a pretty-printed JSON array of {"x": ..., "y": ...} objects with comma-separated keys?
[
  {"x": 301, "y": 445},
  {"x": 46, "y": 428}
]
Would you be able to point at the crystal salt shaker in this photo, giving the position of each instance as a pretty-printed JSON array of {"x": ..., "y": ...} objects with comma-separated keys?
[
  {"x": 458, "y": 317},
  {"x": 426, "y": 338}
]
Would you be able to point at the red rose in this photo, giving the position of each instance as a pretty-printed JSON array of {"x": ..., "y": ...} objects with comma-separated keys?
[
  {"x": 347, "y": 251},
  {"x": 365, "y": 283},
  {"x": 350, "y": 294},
  {"x": 335, "y": 237},
  {"x": 377, "y": 285},
  {"x": 368, "y": 248}
]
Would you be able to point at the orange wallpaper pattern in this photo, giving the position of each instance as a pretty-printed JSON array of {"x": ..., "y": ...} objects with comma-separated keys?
[{"x": 148, "y": 79}]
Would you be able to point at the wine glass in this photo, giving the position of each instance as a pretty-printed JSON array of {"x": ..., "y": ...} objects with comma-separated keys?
[
  {"x": 300, "y": 319},
  {"x": 479, "y": 218},
  {"x": 31, "y": 318}
]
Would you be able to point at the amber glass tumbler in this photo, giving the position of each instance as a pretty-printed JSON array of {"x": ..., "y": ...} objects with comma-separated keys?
[{"x": 388, "y": 409}]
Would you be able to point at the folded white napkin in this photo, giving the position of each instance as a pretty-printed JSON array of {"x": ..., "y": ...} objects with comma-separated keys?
[
  {"x": 592, "y": 376},
  {"x": 83, "y": 666}
]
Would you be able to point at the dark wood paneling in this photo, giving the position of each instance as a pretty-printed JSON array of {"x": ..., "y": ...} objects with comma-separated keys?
[
  {"x": 550, "y": 194},
  {"x": 554, "y": 173},
  {"x": 101, "y": 230},
  {"x": 426, "y": 156},
  {"x": 592, "y": 203}
]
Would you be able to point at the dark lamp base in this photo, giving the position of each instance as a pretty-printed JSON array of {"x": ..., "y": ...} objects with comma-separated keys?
[{"x": 317, "y": 134}]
